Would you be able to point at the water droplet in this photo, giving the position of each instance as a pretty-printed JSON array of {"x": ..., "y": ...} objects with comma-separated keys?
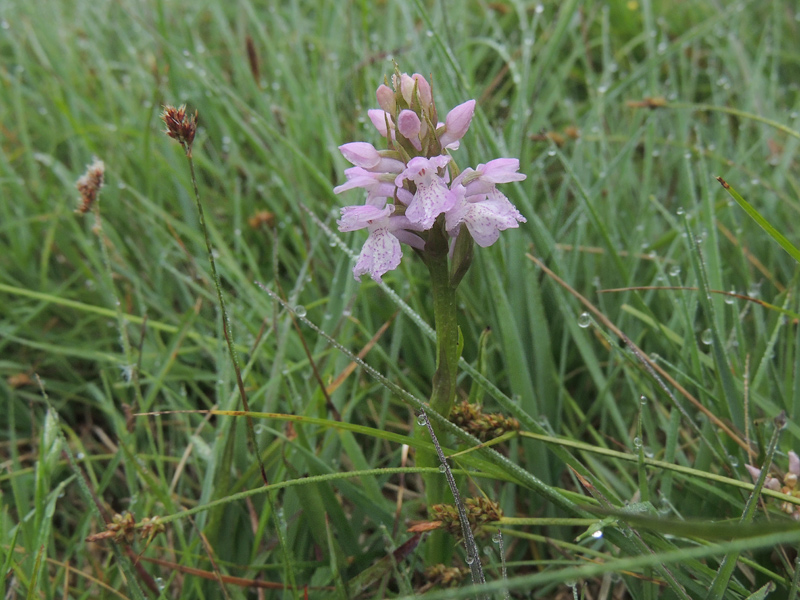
[
  {"x": 681, "y": 210},
  {"x": 643, "y": 400},
  {"x": 258, "y": 429},
  {"x": 551, "y": 152},
  {"x": 584, "y": 320},
  {"x": 300, "y": 310},
  {"x": 421, "y": 419},
  {"x": 637, "y": 442},
  {"x": 730, "y": 299},
  {"x": 160, "y": 584},
  {"x": 733, "y": 461},
  {"x": 674, "y": 270},
  {"x": 442, "y": 468},
  {"x": 80, "y": 456},
  {"x": 497, "y": 538},
  {"x": 602, "y": 89},
  {"x": 706, "y": 337},
  {"x": 597, "y": 534},
  {"x": 469, "y": 559},
  {"x": 539, "y": 9},
  {"x": 754, "y": 290},
  {"x": 648, "y": 452}
]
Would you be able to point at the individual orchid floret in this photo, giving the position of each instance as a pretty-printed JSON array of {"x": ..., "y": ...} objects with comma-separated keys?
[
  {"x": 456, "y": 125},
  {"x": 365, "y": 155},
  {"x": 432, "y": 196},
  {"x": 486, "y": 176},
  {"x": 378, "y": 185},
  {"x": 381, "y": 252},
  {"x": 480, "y": 205}
]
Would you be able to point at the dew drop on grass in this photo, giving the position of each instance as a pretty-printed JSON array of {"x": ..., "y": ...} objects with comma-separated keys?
[
  {"x": 643, "y": 400},
  {"x": 706, "y": 337},
  {"x": 442, "y": 468},
  {"x": 681, "y": 210},
  {"x": 637, "y": 442},
  {"x": 421, "y": 420},
  {"x": 597, "y": 534},
  {"x": 733, "y": 461},
  {"x": 584, "y": 320},
  {"x": 539, "y": 9},
  {"x": 300, "y": 310},
  {"x": 674, "y": 271},
  {"x": 497, "y": 538},
  {"x": 730, "y": 299},
  {"x": 469, "y": 559}
]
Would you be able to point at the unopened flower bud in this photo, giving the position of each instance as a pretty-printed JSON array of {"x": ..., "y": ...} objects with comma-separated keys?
[
  {"x": 424, "y": 90},
  {"x": 386, "y": 99},
  {"x": 408, "y": 124},
  {"x": 457, "y": 123}
]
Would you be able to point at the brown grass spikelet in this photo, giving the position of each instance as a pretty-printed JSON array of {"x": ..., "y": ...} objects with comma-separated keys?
[
  {"x": 445, "y": 576},
  {"x": 480, "y": 511},
  {"x": 179, "y": 126},
  {"x": 89, "y": 185},
  {"x": 484, "y": 426}
]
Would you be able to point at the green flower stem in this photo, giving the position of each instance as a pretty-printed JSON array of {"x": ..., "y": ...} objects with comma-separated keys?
[{"x": 439, "y": 548}]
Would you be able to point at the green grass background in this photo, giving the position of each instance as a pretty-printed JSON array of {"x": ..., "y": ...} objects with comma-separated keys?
[{"x": 629, "y": 201}]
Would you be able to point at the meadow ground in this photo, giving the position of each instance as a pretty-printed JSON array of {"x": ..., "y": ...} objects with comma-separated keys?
[{"x": 641, "y": 327}]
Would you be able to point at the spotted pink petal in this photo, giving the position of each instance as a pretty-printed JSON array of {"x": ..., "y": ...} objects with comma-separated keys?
[
  {"x": 432, "y": 197},
  {"x": 381, "y": 253}
]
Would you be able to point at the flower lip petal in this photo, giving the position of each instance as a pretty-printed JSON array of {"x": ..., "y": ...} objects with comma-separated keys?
[{"x": 380, "y": 253}]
